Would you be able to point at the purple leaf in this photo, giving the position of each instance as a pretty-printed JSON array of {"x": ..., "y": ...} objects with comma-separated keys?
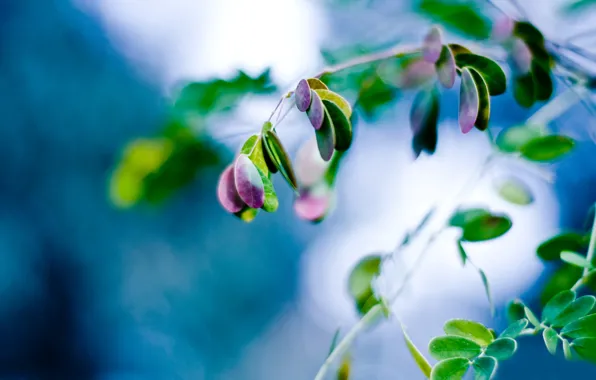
[
  {"x": 226, "y": 191},
  {"x": 326, "y": 138},
  {"x": 521, "y": 56},
  {"x": 248, "y": 182},
  {"x": 468, "y": 101},
  {"x": 316, "y": 112},
  {"x": 303, "y": 96},
  {"x": 310, "y": 167},
  {"x": 312, "y": 207},
  {"x": 431, "y": 49},
  {"x": 446, "y": 71}
]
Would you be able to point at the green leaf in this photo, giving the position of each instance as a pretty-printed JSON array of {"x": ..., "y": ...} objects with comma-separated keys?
[
  {"x": 483, "y": 101},
  {"x": 326, "y": 137},
  {"x": 515, "y": 311},
  {"x": 531, "y": 316},
  {"x": 578, "y": 6},
  {"x": 514, "y": 329},
  {"x": 420, "y": 360},
  {"x": 247, "y": 214},
  {"x": 271, "y": 202},
  {"x": 515, "y": 191},
  {"x": 490, "y": 71},
  {"x": 334, "y": 341},
  {"x": 584, "y": 327},
  {"x": 451, "y": 14},
  {"x": 547, "y": 148},
  {"x": 462, "y": 217},
  {"x": 360, "y": 283},
  {"x": 552, "y": 248},
  {"x": 280, "y": 158},
  {"x": 486, "y": 228},
  {"x": 450, "y": 369},
  {"x": 342, "y": 103},
  {"x": 585, "y": 348},
  {"x": 469, "y": 101},
  {"x": 543, "y": 82},
  {"x": 423, "y": 121},
  {"x": 511, "y": 140},
  {"x": 502, "y": 348},
  {"x": 557, "y": 304},
  {"x": 575, "y": 259},
  {"x": 484, "y": 368},
  {"x": 523, "y": 90},
  {"x": 462, "y": 253},
  {"x": 458, "y": 49},
  {"x": 486, "y": 286},
  {"x": 579, "y": 308},
  {"x": 446, "y": 69},
  {"x": 567, "y": 350},
  {"x": 468, "y": 329},
  {"x": 535, "y": 41},
  {"x": 563, "y": 279},
  {"x": 446, "y": 347},
  {"x": 551, "y": 340},
  {"x": 342, "y": 126}
]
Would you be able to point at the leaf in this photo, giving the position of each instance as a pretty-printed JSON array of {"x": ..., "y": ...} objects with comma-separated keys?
[
  {"x": 464, "y": 216},
  {"x": 552, "y": 248},
  {"x": 585, "y": 348},
  {"x": 567, "y": 350},
  {"x": 502, "y": 29},
  {"x": 492, "y": 73},
  {"x": 535, "y": 41},
  {"x": 445, "y": 66},
  {"x": 446, "y": 347},
  {"x": 515, "y": 191},
  {"x": 502, "y": 348},
  {"x": 271, "y": 202},
  {"x": 462, "y": 253},
  {"x": 547, "y": 148},
  {"x": 543, "y": 83},
  {"x": 342, "y": 103},
  {"x": 450, "y": 369},
  {"x": 253, "y": 148},
  {"x": 556, "y": 305},
  {"x": 523, "y": 90},
  {"x": 342, "y": 126},
  {"x": 247, "y": 214},
  {"x": 579, "y": 308},
  {"x": 551, "y": 340},
  {"x": 248, "y": 182},
  {"x": 280, "y": 158},
  {"x": 531, "y": 317},
  {"x": 513, "y": 138},
  {"x": 316, "y": 112},
  {"x": 521, "y": 57},
  {"x": 226, "y": 191},
  {"x": 334, "y": 341},
  {"x": 423, "y": 122},
  {"x": 584, "y": 327},
  {"x": 575, "y": 259},
  {"x": 326, "y": 138},
  {"x": 313, "y": 204},
  {"x": 486, "y": 228},
  {"x": 563, "y": 279},
  {"x": 514, "y": 329},
  {"x": 457, "y": 49},
  {"x": 487, "y": 290},
  {"x": 360, "y": 282},
  {"x": 343, "y": 373},
  {"x": 432, "y": 46},
  {"x": 484, "y": 368},
  {"x": 515, "y": 311},
  {"x": 420, "y": 360},
  {"x": 468, "y": 329},
  {"x": 310, "y": 167},
  {"x": 469, "y": 101},
  {"x": 483, "y": 101},
  {"x": 578, "y": 6},
  {"x": 316, "y": 84},
  {"x": 302, "y": 94},
  {"x": 451, "y": 14}
]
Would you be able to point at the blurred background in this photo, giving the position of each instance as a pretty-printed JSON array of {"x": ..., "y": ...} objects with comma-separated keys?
[{"x": 178, "y": 288}]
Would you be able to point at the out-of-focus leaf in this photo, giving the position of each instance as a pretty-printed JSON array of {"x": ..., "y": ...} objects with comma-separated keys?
[
  {"x": 576, "y": 6},
  {"x": 468, "y": 329},
  {"x": 502, "y": 28},
  {"x": 513, "y": 138},
  {"x": 523, "y": 90},
  {"x": 502, "y": 348},
  {"x": 563, "y": 279},
  {"x": 461, "y": 16},
  {"x": 342, "y": 127},
  {"x": 343, "y": 373},
  {"x": 543, "y": 82},
  {"x": 486, "y": 286},
  {"x": 334, "y": 342},
  {"x": 462, "y": 253},
  {"x": 547, "y": 148},
  {"x": 556, "y": 305},
  {"x": 575, "y": 259},
  {"x": 447, "y": 347},
  {"x": 248, "y": 182},
  {"x": 486, "y": 228},
  {"x": 310, "y": 167},
  {"x": 585, "y": 348},
  {"x": 247, "y": 214},
  {"x": 432, "y": 46},
  {"x": 551, "y": 340},
  {"x": 360, "y": 283},
  {"x": 535, "y": 41},
  {"x": 514, "y": 329},
  {"x": 492, "y": 73},
  {"x": 567, "y": 350},
  {"x": 484, "y": 368},
  {"x": 280, "y": 158},
  {"x": 419, "y": 358},
  {"x": 469, "y": 101},
  {"x": 450, "y": 369},
  {"x": 423, "y": 121},
  {"x": 515, "y": 191},
  {"x": 464, "y": 216},
  {"x": 577, "y": 309},
  {"x": 552, "y": 248},
  {"x": 314, "y": 203},
  {"x": 458, "y": 49},
  {"x": 483, "y": 101},
  {"x": 521, "y": 57},
  {"x": 446, "y": 69}
]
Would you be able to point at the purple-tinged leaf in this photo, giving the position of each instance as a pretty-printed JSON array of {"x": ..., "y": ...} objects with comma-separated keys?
[
  {"x": 342, "y": 127},
  {"x": 484, "y": 101},
  {"x": 248, "y": 182},
  {"x": 433, "y": 43},
  {"x": 310, "y": 167},
  {"x": 303, "y": 96},
  {"x": 446, "y": 69},
  {"x": 313, "y": 206},
  {"x": 521, "y": 57},
  {"x": 503, "y": 29},
  {"x": 468, "y": 101},
  {"x": 316, "y": 112},
  {"x": 416, "y": 74},
  {"x": 326, "y": 137},
  {"x": 226, "y": 191}
]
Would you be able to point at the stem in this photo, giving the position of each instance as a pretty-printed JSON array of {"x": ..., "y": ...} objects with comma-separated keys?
[
  {"x": 559, "y": 105},
  {"x": 590, "y": 257}
]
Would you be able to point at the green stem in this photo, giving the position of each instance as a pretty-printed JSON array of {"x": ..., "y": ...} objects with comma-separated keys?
[{"x": 590, "y": 257}]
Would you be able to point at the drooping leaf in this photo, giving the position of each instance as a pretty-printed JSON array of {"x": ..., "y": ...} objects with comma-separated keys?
[
  {"x": 316, "y": 84},
  {"x": 343, "y": 373},
  {"x": 334, "y": 342},
  {"x": 339, "y": 101},
  {"x": 543, "y": 83},
  {"x": 248, "y": 182},
  {"x": 314, "y": 203},
  {"x": 247, "y": 214},
  {"x": 468, "y": 329},
  {"x": 450, "y": 14},
  {"x": 450, "y": 369},
  {"x": 585, "y": 348},
  {"x": 567, "y": 350},
  {"x": 446, "y": 69},
  {"x": 486, "y": 228},
  {"x": 502, "y": 348},
  {"x": 551, "y": 340},
  {"x": 280, "y": 158},
  {"x": 423, "y": 122},
  {"x": 446, "y": 347},
  {"x": 484, "y": 368},
  {"x": 462, "y": 253},
  {"x": 547, "y": 148},
  {"x": 552, "y": 248},
  {"x": 531, "y": 316},
  {"x": 419, "y": 358},
  {"x": 432, "y": 46},
  {"x": 492, "y": 73},
  {"x": 515, "y": 311},
  {"x": 303, "y": 96},
  {"x": 253, "y": 148},
  {"x": 462, "y": 217},
  {"x": 577, "y": 309},
  {"x": 316, "y": 112},
  {"x": 416, "y": 73},
  {"x": 360, "y": 283},
  {"x": 271, "y": 202},
  {"x": 557, "y": 304},
  {"x": 227, "y": 193},
  {"x": 535, "y": 41},
  {"x": 513, "y": 138},
  {"x": 563, "y": 279},
  {"x": 515, "y": 191},
  {"x": 514, "y": 329},
  {"x": 486, "y": 286},
  {"x": 310, "y": 167},
  {"x": 457, "y": 49},
  {"x": 483, "y": 101},
  {"x": 342, "y": 127},
  {"x": 469, "y": 101},
  {"x": 575, "y": 259},
  {"x": 326, "y": 137},
  {"x": 521, "y": 57},
  {"x": 584, "y": 327},
  {"x": 523, "y": 90}
]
